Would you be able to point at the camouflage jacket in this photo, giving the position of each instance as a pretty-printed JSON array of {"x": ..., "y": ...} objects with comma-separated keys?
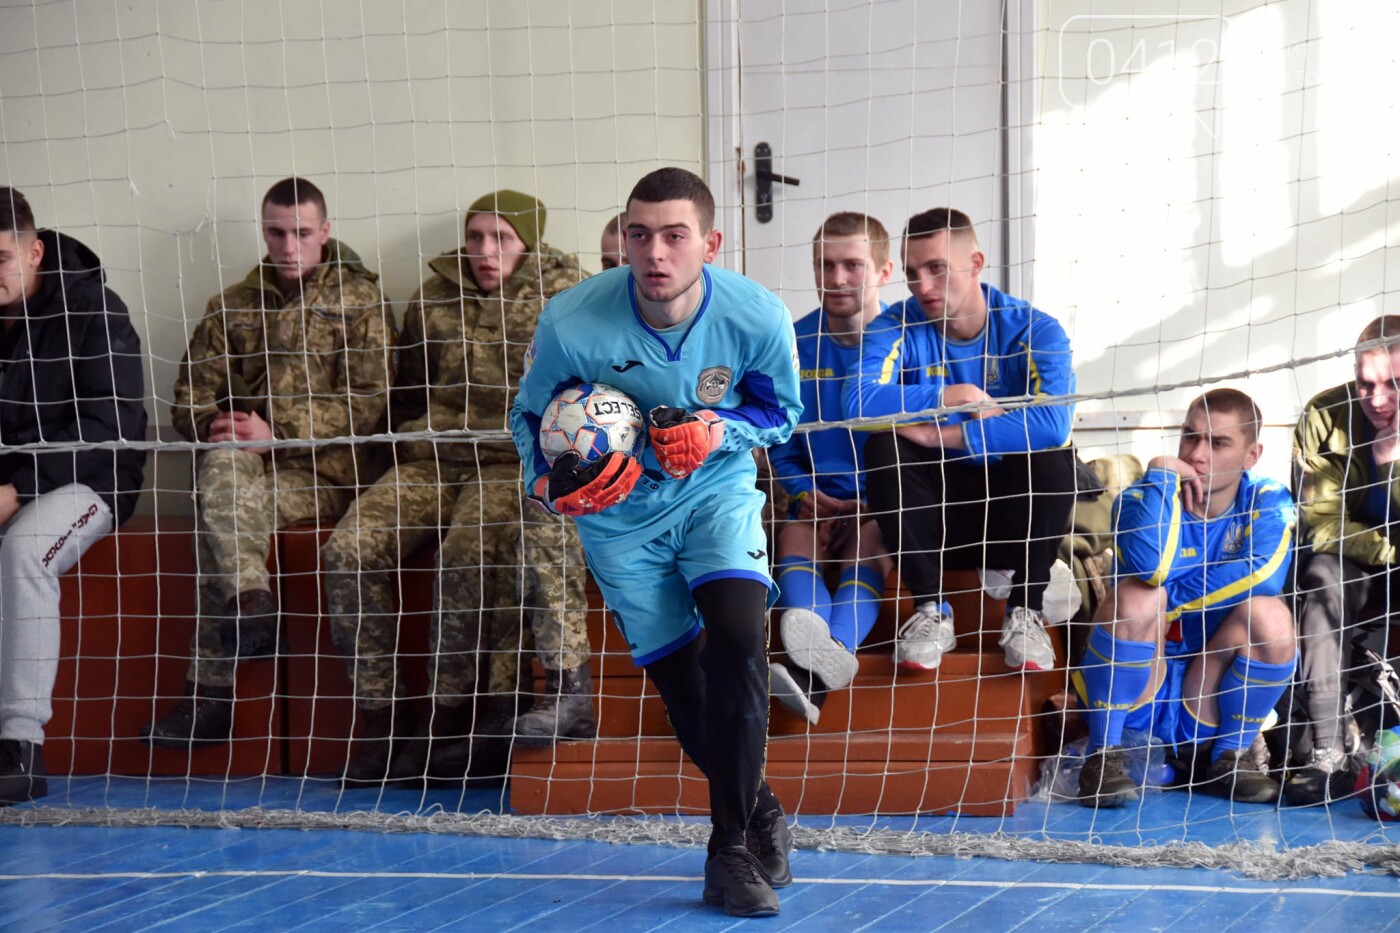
[
  {"x": 319, "y": 363},
  {"x": 463, "y": 351},
  {"x": 1332, "y": 474}
]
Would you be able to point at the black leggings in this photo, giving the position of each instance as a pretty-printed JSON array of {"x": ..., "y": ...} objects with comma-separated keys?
[{"x": 717, "y": 699}]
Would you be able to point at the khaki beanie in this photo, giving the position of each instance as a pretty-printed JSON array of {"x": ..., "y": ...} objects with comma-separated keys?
[{"x": 523, "y": 212}]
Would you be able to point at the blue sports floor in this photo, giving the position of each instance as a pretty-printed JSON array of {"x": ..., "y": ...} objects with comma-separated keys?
[{"x": 91, "y": 878}]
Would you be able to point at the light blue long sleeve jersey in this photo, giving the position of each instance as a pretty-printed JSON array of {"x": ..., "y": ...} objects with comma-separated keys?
[
  {"x": 736, "y": 355},
  {"x": 1208, "y": 566},
  {"x": 832, "y": 460},
  {"x": 907, "y": 363}
]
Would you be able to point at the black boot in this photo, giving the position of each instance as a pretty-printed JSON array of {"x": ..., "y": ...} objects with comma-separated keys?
[
  {"x": 374, "y": 750},
  {"x": 251, "y": 627},
  {"x": 483, "y": 757},
  {"x": 564, "y": 712},
  {"x": 203, "y": 717},
  {"x": 22, "y": 774},
  {"x": 448, "y": 724}
]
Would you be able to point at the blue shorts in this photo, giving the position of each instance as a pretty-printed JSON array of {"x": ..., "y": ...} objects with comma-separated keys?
[
  {"x": 648, "y": 588},
  {"x": 1165, "y": 715}
]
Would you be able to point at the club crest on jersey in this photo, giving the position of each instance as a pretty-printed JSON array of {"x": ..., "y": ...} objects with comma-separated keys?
[
  {"x": 714, "y": 383},
  {"x": 1234, "y": 539},
  {"x": 992, "y": 372},
  {"x": 530, "y": 353}
]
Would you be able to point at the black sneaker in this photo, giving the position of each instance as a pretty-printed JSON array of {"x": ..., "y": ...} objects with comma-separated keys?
[
  {"x": 22, "y": 774},
  {"x": 1235, "y": 776},
  {"x": 770, "y": 841},
  {"x": 734, "y": 879},
  {"x": 799, "y": 691},
  {"x": 1103, "y": 781}
]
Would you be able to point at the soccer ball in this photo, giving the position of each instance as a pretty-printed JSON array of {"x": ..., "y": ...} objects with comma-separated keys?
[
  {"x": 1379, "y": 782},
  {"x": 590, "y": 419}
]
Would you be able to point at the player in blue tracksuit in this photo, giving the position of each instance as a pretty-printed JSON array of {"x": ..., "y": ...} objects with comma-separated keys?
[
  {"x": 823, "y": 472},
  {"x": 675, "y": 536},
  {"x": 1194, "y": 644},
  {"x": 990, "y": 488}
]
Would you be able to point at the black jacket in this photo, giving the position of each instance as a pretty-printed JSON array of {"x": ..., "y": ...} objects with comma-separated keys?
[{"x": 70, "y": 370}]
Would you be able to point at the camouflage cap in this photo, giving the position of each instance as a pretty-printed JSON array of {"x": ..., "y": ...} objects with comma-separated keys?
[{"x": 523, "y": 212}]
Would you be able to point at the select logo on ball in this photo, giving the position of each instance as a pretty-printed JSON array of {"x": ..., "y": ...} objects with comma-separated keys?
[{"x": 591, "y": 420}]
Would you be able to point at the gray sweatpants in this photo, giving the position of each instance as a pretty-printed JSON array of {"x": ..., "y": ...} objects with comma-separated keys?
[
  {"x": 1340, "y": 603},
  {"x": 39, "y": 543}
]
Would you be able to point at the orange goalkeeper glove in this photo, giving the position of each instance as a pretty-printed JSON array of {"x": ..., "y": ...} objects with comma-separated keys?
[
  {"x": 568, "y": 490},
  {"x": 683, "y": 439}
]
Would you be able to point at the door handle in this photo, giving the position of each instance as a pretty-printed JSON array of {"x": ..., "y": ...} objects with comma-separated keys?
[{"x": 763, "y": 179}]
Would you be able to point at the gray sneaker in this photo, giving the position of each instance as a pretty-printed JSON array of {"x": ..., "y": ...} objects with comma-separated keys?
[
  {"x": 809, "y": 645},
  {"x": 1024, "y": 641},
  {"x": 924, "y": 638}
]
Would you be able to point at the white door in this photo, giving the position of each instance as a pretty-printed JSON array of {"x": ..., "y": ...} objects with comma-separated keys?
[{"x": 889, "y": 107}]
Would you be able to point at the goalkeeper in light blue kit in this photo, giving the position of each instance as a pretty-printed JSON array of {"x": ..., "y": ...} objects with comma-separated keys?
[
  {"x": 675, "y": 536},
  {"x": 1194, "y": 644}
]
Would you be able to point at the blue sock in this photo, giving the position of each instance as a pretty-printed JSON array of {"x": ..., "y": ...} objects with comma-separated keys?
[
  {"x": 856, "y": 605},
  {"x": 1115, "y": 672},
  {"x": 801, "y": 586},
  {"x": 1248, "y": 691}
]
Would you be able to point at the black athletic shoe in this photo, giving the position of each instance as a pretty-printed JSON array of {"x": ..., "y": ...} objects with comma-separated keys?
[
  {"x": 734, "y": 879},
  {"x": 799, "y": 691},
  {"x": 1327, "y": 777},
  {"x": 22, "y": 774},
  {"x": 1235, "y": 776},
  {"x": 770, "y": 841},
  {"x": 1103, "y": 781}
]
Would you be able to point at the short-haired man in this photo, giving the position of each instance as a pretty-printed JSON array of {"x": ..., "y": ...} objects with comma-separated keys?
[
  {"x": 70, "y": 374},
  {"x": 823, "y": 472},
  {"x": 981, "y": 489},
  {"x": 1344, "y": 450},
  {"x": 460, "y": 360},
  {"x": 675, "y": 540},
  {"x": 610, "y": 245},
  {"x": 1194, "y": 644},
  {"x": 300, "y": 349}
]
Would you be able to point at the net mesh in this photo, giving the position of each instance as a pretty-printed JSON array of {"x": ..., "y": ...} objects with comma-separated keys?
[{"x": 1183, "y": 191}]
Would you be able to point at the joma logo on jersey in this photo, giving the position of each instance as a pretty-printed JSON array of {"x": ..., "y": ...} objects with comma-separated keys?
[
  {"x": 1104, "y": 704},
  {"x": 1188, "y": 552},
  {"x": 826, "y": 373},
  {"x": 935, "y": 369}
]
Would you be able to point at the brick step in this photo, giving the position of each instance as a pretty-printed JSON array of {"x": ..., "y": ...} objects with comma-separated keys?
[
  {"x": 892, "y": 772},
  {"x": 970, "y": 691}
]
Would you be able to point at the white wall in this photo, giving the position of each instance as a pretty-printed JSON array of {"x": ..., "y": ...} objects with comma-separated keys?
[
  {"x": 1213, "y": 197},
  {"x": 151, "y": 129}
]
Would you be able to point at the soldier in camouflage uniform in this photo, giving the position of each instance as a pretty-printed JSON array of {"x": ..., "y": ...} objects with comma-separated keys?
[
  {"x": 460, "y": 360},
  {"x": 301, "y": 348}
]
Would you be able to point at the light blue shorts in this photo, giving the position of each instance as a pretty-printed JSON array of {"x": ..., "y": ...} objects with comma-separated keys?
[{"x": 648, "y": 587}]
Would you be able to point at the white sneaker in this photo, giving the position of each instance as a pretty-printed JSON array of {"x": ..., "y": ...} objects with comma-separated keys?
[
  {"x": 809, "y": 645},
  {"x": 1025, "y": 642},
  {"x": 925, "y": 637}
]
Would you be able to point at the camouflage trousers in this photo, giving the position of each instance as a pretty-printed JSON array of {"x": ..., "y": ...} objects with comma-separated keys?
[
  {"x": 240, "y": 500},
  {"x": 499, "y": 566}
]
